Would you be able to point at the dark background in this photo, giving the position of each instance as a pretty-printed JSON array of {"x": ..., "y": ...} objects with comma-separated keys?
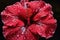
[{"x": 56, "y": 9}]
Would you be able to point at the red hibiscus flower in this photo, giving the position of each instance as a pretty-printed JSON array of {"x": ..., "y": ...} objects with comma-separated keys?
[{"x": 26, "y": 20}]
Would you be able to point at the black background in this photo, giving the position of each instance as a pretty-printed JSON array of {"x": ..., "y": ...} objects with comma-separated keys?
[{"x": 55, "y": 7}]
